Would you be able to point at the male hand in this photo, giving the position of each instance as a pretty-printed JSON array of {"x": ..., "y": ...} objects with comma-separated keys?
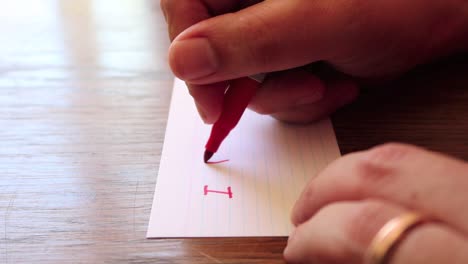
[{"x": 218, "y": 40}]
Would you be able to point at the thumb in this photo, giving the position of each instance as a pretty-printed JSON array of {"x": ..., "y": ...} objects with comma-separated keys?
[{"x": 266, "y": 37}]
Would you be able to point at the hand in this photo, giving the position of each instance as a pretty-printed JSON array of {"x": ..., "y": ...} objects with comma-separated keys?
[
  {"x": 341, "y": 210},
  {"x": 218, "y": 40}
]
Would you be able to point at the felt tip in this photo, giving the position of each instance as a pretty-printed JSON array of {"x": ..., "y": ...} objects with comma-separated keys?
[{"x": 207, "y": 156}]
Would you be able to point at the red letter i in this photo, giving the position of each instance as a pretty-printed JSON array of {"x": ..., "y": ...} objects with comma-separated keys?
[{"x": 229, "y": 192}]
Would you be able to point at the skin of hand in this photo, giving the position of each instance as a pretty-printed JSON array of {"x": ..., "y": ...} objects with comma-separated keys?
[
  {"x": 214, "y": 41},
  {"x": 342, "y": 209}
]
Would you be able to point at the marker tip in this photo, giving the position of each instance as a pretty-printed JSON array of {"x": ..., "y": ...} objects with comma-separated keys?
[{"x": 207, "y": 156}]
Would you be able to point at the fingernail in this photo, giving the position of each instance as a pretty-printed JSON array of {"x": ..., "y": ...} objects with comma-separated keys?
[
  {"x": 315, "y": 95},
  {"x": 192, "y": 59}
]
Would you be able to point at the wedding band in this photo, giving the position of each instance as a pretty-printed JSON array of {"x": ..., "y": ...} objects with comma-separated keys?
[{"x": 389, "y": 235}]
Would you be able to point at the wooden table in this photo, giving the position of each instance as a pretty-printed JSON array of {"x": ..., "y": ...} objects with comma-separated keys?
[{"x": 84, "y": 97}]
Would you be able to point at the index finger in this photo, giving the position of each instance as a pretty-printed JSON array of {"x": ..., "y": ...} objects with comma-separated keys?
[
  {"x": 181, "y": 14},
  {"x": 208, "y": 99}
]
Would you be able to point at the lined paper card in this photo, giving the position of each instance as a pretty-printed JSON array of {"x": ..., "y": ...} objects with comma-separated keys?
[{"x": 253, "y": 193}]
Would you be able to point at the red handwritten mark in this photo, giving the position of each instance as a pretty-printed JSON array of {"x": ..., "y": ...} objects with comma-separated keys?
[
  {"x": 216, "y": 162},
  {"x": 229, "y": 192}
]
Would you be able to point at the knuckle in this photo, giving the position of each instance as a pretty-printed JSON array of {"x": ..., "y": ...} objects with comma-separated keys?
[
  {"x": 371, "y": 173},
  {"x": 389, "y": 151},
  {"x": 378, "y": 165}
]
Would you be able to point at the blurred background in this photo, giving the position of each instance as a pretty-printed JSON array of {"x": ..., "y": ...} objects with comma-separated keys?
[
  {"x": 84, "y": 93},
  {"x": 53, "y": 39}
]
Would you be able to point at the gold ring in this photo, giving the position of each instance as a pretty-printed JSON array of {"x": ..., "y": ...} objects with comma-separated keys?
[{"x": 389, "y": 235}]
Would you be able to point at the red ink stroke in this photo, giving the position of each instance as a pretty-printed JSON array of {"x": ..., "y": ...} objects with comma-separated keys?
[
  {"x": 217, "y": 162},
  {"x": 206, "y": 191}
]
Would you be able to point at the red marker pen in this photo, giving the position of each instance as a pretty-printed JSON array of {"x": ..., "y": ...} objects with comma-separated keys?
[{"x": 236, "y": 99}]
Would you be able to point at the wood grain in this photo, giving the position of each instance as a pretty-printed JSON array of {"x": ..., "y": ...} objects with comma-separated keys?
[
  {"x": 84, "y": 97},
  {"x": 427, "y": 107}
]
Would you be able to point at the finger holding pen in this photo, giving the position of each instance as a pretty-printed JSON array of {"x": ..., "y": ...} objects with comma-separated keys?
[{"x": 216, "y": 46}]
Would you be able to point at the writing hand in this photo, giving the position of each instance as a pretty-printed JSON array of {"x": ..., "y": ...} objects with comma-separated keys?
[{"x": 218, "y": 40}]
